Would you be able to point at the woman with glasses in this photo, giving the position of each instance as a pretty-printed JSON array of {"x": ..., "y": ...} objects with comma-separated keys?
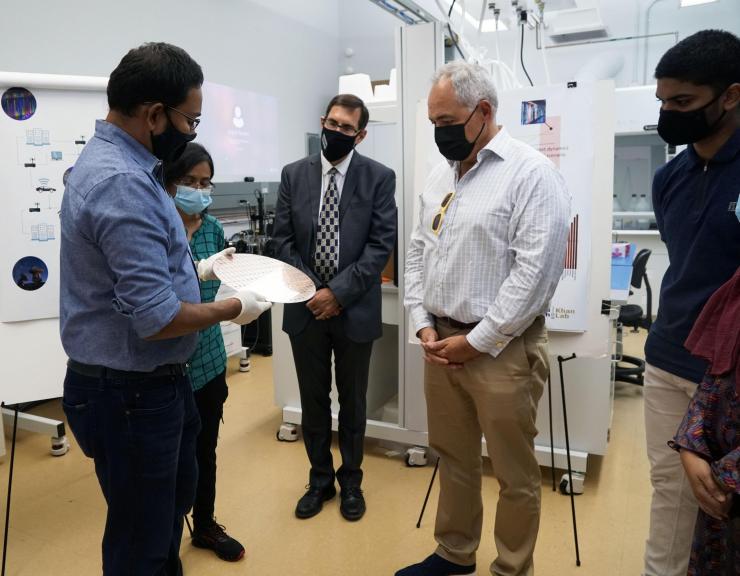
[{"x": 188, "y": 181}]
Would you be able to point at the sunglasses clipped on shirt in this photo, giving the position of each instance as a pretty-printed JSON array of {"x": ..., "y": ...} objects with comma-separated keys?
[{"x": 439, "y": 217}]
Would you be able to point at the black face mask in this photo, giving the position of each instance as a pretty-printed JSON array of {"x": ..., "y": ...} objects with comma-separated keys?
[
  {"x": 452, "y": 142},
  {"x": 170, "y": 144},
  {"x": 336, "y": 145},
  {"x": 678, "y": 128}
]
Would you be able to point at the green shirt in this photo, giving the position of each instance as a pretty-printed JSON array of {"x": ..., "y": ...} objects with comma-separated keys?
[{"x": 209, "y": 359}]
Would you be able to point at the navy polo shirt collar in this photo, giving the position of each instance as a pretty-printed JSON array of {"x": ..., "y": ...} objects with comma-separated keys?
[{"x": 727, "y": 153}]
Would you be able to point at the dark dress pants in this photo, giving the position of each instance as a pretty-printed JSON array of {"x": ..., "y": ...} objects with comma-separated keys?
[
  {"x": 312, "y": 352},
  {"x": 210, "y": 402},
  {"x": 141, "y": 435}
]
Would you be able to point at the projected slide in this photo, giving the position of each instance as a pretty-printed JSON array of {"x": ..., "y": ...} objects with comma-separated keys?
[{"x": 240, "y": 130}]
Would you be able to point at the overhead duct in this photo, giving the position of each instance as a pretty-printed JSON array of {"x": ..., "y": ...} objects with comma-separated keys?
[{"x": 580, "y": 21}]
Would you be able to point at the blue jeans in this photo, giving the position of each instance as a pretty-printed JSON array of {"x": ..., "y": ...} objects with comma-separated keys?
[{"x": 141, "y": 435}]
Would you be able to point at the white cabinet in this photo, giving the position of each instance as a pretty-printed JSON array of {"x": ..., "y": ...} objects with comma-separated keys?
[
  {"x": 638, "y": 154},
  {"x": 637, "y": 109},
  {"x": 232, "y": 334}
]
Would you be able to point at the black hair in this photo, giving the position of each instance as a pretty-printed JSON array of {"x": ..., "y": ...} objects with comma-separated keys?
[
  {"x": 193, "y": 155},
  {"x": 353, "y": 103},
  {"x": 707, "y": 58},
  {"x": 153, "y": 72}
]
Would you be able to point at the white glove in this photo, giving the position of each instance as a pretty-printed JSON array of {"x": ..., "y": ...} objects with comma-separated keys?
[
  {"x": 205, "y": 267},
  {"x": 252, "y": 306}
]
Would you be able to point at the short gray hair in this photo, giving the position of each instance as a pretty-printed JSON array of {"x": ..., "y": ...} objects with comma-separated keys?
[{"x": 472, "y": 83}]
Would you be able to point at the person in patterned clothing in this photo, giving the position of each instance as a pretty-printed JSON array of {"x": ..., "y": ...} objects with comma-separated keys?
[
  {"x": 188, "y": 181},
  {"x": 709, "y": 436}
]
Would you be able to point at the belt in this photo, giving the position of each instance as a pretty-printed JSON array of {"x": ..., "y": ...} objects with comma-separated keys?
[
  {"x": 452, "y": 323},
  {"x": 105, "y": 372}
]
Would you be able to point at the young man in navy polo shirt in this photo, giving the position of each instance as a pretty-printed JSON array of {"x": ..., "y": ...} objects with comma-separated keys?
[{"x": 694, "y": 198}]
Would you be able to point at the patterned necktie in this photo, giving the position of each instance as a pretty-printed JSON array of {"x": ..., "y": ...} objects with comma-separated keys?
[{"x": 325, "y": 258}]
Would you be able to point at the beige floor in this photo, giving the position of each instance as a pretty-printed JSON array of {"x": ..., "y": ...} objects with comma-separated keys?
[{"x": 58, "y": 511}]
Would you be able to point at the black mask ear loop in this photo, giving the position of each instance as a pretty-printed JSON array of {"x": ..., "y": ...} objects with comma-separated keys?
[
  {"x": 704, "y": 108},
  {"x": 482, "y": 125},
  {"x": 152, "y": 136},
  {"x": 718, "y": 120},
  {"x": 471, "y": 114}
]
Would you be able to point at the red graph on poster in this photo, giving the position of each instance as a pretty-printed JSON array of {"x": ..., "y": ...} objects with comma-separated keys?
[{"x": 571, "y": 254}]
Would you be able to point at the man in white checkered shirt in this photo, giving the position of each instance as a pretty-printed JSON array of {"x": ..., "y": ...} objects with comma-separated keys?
[{"x": 482, "y": 266}]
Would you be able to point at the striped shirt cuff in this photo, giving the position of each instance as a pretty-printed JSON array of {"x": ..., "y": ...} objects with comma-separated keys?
[
  {"x": 486, "y": 339},
  {"x": 420, "y": 318}
]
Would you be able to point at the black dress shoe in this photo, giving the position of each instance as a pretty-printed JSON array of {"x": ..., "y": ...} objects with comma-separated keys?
[
  {"x": 313, "y": 500},
  {"x": 353, "y": 503},
  {"x": 435, "y": 565}
]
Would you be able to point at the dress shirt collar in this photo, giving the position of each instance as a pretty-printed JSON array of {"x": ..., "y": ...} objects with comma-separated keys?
[
  {"x": 341, "y": 167},
  {"x": 135, "y": 149},
  {"x": 498, "y": 145}
]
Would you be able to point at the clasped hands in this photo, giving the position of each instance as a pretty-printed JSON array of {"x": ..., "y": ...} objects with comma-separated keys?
[
  {"x": 450, "y": 352},
  {"x": 324, "y": 304},
  {"x": 712, "y": 497}
]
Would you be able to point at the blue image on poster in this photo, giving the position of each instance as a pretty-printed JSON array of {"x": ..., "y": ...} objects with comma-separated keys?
[
  {"x": 30, "y": 273},
  {"x": 534, "y": 112},
  {"x": 18, "y": 103}
]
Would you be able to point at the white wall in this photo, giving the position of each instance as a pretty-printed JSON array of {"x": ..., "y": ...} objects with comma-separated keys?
[
  {"x": 287, "y": 49},
  {"x": 369, "y": 31}
]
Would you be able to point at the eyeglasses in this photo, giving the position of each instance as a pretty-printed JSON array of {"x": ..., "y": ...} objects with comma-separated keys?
[
  {"x": 203, "y": 186},
  {"x": 346, "y": 129},
  {"x": 437, "y": 221},
  {"x": 192, "y": 120}
]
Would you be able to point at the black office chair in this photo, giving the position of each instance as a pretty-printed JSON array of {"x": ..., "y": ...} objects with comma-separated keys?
[{"x": 632, "y": 315}]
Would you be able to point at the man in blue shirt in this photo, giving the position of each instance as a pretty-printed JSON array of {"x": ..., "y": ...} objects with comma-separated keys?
[
  {"x": 131, "y": 311},
  {"x": 694, "y": 199}
]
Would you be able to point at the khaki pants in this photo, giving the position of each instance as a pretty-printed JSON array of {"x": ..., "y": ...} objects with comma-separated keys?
[
  {"x": 498, "y": 397},
  {"x": 673, "y": 508}
]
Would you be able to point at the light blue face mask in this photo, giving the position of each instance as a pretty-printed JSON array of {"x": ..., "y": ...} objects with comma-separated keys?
[
  {"x": 737, "y": 208},
  {"x": 192, "y": 200}
]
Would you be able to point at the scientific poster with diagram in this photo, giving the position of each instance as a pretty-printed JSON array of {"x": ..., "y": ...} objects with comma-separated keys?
[
  {"x": 559, "y": 121},
  {"x": 43, "y": 133}
]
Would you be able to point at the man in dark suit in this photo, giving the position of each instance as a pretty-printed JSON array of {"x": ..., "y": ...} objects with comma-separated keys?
[{"x": 336, "y": 220}]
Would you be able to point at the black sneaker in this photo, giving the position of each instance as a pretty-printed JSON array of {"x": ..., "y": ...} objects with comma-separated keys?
[{"x": 214, "y": 537}]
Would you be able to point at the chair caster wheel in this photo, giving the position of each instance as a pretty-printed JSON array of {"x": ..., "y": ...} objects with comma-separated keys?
[
  {"x": 287, "y": 433},
  {"x": 416, "y": 457},
  {"x": 578, "y": 480},
  {"x": 59, "y": 446}
]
